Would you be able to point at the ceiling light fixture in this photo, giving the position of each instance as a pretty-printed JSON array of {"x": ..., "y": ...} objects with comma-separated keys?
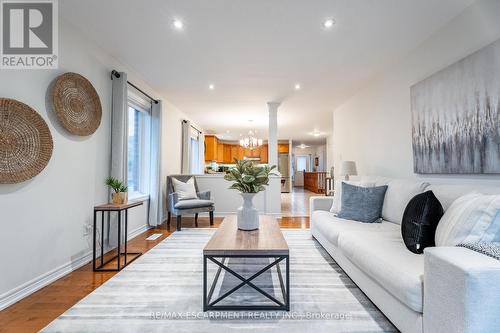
[
  {"x": 328, "y": 23},
  {"x": 297, "y": 86},
  {"x": 316, "y": 133},
  {"x": 211, "y": 87},
  {"x": 303, "y": 146},
  {"x": 178, "y": 25},
  {"x": 251, "y": 142}
]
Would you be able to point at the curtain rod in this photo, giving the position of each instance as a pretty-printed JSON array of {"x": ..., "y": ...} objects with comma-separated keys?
[
  {"x": 117, "y": 75},
  {"x": 185, "y": 121}
]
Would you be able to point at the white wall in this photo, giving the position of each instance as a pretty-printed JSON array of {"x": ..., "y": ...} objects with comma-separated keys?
[
  {"x": 373, "y": 128},
  {"x": 43, "y": 220}
]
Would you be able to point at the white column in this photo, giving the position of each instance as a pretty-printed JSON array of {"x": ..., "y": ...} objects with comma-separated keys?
[{"x": 273, "y": 132}]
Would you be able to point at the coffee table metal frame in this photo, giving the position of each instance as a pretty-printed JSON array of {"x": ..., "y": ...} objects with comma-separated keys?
[{"x": 208, "y": 304}]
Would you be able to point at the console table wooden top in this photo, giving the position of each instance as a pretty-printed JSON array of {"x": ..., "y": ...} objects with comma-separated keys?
[
  {"x": 229, "y": 240},
  {"x": 117, "y": 207}
]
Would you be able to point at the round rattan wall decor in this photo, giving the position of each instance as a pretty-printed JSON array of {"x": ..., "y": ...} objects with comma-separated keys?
[
  {"x": 25, "y": 142},
  {"x": 76, "y": 104}
]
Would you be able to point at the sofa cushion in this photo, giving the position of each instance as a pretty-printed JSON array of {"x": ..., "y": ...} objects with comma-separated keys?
[
  {"x": 384, "y": 257},
  {"x": 397, "y": 196},
  {"x": 337, "y": 197},
  {"x": 447, "y": 193},
  {"x": 193, "y": 203},
  {"x": 363, "y": 204},
  {"x": 331, "y": 226},
  {"x": 471, "y": 218}
]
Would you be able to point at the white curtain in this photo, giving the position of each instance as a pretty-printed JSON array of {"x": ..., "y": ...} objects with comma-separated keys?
[
  {"x": 119, "y": 127},
  {"x": 155, "y": 192},
  {"x": 201, "y": 151},
  {"x": 186, "y": 147}
]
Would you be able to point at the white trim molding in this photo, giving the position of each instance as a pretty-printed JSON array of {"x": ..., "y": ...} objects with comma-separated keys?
[{"x": 28, "y": 288}]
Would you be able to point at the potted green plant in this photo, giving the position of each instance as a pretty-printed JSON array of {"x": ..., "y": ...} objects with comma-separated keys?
[
  {"x": 119, "y": 194},
  {"x": 249, "y": 180}
]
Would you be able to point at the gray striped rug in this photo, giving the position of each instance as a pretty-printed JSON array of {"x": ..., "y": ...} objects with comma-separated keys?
[{"x": 162, "y": 292}]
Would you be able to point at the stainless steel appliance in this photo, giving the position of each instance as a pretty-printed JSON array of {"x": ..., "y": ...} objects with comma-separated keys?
[{"x": 284, "y": 169}]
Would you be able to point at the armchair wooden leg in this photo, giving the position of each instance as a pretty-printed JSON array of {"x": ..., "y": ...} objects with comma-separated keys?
[
  {"x": 179, "y": 217},
  {"x": 196, "y": 220},
  {"x": 168, "y": 218},
  {"x": 211, "y": 213}
]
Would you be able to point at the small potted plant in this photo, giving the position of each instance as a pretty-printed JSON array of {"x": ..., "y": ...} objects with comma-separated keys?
[
  {"x": 119, "y": 194},
  {"x": 249, "y": 180}
]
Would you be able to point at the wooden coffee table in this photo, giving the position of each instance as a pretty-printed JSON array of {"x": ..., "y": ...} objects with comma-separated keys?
[{"x": 229, "y": 242}]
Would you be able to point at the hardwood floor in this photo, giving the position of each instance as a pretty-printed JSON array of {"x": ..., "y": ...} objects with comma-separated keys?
[
  {"x": 296, "y": 203},
  {"x": 37, "y": 310}
]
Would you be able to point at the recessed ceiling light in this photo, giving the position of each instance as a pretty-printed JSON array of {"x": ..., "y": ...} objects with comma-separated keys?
[
  {"x": 297, "y": 86},
  {"x": 303, "y": 146},
  {"x": 328, "y": 23},
  {"x": 315, "y": 133},
  {"x": 178, "y": 25},
  {"x": 211, "y": 87}
]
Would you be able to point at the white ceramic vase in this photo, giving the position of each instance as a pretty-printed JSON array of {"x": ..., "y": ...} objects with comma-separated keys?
[{"x": 248, "y": 215}]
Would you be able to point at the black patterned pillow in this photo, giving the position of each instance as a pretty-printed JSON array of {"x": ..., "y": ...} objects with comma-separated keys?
[
  {"x": 420, "y": 219},
  {"x": 491, "y": 249}
]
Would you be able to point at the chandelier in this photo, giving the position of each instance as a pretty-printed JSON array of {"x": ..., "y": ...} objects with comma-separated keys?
[{"x": 250, "y": 142}]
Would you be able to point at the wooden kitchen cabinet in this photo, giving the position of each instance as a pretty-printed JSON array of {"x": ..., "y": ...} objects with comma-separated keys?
[
  {"x": 241, "y": 153},
  {"x": 220, "y": 152},
  {"x": 283, "y": 148},
  {"x": 227, "y": 153},
  {"x": 211, "y": 148},
  {"x": 234, "y": 153},
  {"x": 264, "y": 154}
]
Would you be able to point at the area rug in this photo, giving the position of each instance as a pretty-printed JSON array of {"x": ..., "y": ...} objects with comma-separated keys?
[{"x": 162, "y": 292}]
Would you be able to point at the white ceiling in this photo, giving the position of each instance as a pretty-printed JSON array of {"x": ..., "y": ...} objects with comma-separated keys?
[{"x": 254, "y": 51}]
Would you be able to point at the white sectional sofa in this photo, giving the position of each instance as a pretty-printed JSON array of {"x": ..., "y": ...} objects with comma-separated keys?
[{"x": 446, "y": 289}]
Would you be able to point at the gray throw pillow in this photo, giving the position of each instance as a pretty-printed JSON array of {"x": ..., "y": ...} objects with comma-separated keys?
[{"x": 363, "y": 204}]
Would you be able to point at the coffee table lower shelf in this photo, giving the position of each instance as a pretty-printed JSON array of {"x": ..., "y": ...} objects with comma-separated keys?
[{"x": 209, "y": 305}]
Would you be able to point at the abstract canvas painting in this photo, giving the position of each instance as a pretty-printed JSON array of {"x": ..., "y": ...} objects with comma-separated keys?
[{"x": 456, "y": 117}]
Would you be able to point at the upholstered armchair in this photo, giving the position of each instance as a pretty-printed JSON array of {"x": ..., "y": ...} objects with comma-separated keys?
[{"x": 202, "y": 204}]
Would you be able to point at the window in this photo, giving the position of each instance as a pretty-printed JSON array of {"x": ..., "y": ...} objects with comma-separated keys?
[
  {"x": 195, "y": 163},
  {"x": 139, "y": 137}
]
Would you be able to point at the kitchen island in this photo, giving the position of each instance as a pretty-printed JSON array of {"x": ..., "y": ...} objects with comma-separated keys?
[{"x": 227, "y": 201}]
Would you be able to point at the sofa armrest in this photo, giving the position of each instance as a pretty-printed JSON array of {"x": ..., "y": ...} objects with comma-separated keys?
[
  {"x": 172, "y": 199},
  {"x": 319, "y": 203},
  {"x": 461, "y": 291},
  {"x": 204, "y": 195}
]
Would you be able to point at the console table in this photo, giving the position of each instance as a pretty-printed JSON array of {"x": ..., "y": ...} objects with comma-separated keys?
[{"x": 119, "y": 208}]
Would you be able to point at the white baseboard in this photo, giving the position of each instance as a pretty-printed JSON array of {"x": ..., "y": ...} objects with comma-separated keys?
[{"x": 15, "y": 295}]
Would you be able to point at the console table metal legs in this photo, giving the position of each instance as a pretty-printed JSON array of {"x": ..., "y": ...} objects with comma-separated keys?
[
  {"x": 208, "y": 304},
  {"x": 120, "y": 253}
]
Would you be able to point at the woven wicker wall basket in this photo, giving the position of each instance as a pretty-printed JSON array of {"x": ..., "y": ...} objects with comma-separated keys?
[
  {"x": 76, "y": 104},
  {"x": 25, "y": 142}
]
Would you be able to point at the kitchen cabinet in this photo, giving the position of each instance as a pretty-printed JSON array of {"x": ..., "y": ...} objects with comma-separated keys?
[
  {"x": 283, "y": 148},
  {"x": 211, "y": 148},
  {"x": 264, "y": 154},
  {"x": 215, "y": 150},
  {"x": 220, "y": 152},
  {"x": 227, "y": 153},
  {"x": 234, "y": 153}
]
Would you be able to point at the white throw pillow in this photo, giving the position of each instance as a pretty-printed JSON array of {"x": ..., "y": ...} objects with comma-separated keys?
[
  {"x": 185, "y": 190},
  {"x": 337, "y": 197},
  {"x": 471, "y": 218}
]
